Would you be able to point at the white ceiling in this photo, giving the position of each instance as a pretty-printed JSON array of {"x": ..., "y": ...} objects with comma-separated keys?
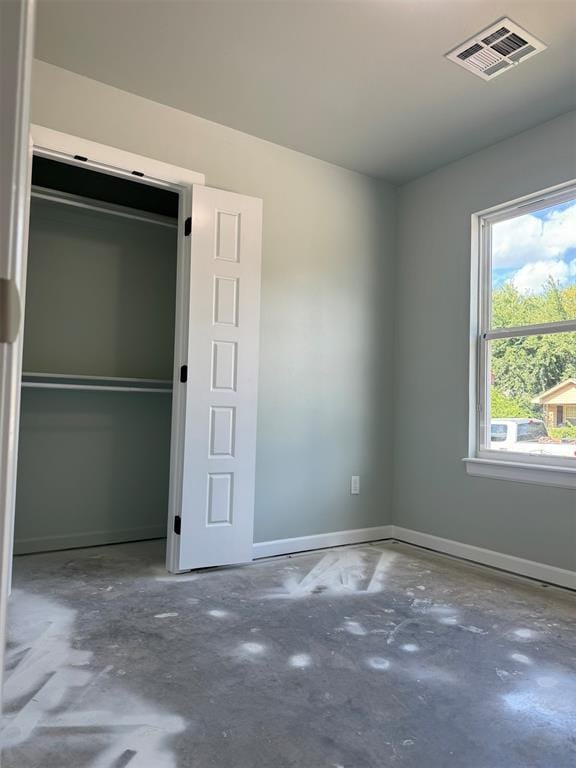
[{"x": 360, "y": 83}]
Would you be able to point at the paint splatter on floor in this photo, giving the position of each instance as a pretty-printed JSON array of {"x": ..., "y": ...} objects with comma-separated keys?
[
  {"x": 53, "y": 688},
  {"x": 410, "y": 647},
  {"x": 377, "y": 662},
  {"x": 215, "y": 613},
  {"x": 325, "y": 659},
  {"x": 250, "y": 650},
  {"x": 520, "y": 658},
  {"x": 355, "y": 628},
  {"x": 340, "y": 572}
]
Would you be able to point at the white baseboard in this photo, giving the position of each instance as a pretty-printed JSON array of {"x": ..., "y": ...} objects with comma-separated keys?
[
  {"x": 89, "y": 539},
  {"x": 517, "y": 565},
  {"x": 320, "y": 541}
]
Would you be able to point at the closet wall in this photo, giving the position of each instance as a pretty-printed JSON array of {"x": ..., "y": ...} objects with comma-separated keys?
[{"x": 100, "y": 302}]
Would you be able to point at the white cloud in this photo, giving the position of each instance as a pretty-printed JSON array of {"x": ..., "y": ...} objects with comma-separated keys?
[
  {"x": 528, "y": 239},
  {"x": 532, "y": 278}
]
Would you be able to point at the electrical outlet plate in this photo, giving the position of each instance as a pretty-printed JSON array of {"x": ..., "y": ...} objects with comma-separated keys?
[{"x": 355, "y": 485}]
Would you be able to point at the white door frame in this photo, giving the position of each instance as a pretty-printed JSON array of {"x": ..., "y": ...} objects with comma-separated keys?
[
  {"x": 16, "y": 44},
  {"x": 117, "y": 162},
  {"x": 73, "y": 150}
]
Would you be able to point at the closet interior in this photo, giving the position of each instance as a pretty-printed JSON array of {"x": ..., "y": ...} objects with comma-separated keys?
[{"x": 94, "y": 447}]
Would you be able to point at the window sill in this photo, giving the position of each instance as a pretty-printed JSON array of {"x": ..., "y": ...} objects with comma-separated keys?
[{"x": 517, "y": 472}]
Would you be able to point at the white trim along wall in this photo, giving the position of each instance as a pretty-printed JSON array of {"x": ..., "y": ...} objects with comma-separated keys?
[
  {"x": 519, "y": 566},
  {"x": 321, "y": 541}
]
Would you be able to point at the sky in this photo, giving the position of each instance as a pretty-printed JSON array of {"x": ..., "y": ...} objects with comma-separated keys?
[{"x": 529, "y": 249}]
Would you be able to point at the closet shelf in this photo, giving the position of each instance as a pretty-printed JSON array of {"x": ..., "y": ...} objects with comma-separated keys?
[{"x": 33, "y": 380}]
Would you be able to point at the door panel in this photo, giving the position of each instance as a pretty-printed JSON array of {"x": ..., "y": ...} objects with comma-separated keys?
[{"x": 219, "y": 444}]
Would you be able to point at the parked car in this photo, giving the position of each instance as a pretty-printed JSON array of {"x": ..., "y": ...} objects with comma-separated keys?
[{"x": 527, "y": 436}]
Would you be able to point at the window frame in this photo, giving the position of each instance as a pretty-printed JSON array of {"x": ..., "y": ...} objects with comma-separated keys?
[{"x": 481, "y": 459}]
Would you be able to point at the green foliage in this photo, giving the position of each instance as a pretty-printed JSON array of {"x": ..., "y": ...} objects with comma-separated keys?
[
  {"x": 511, "y": 308},
  {"x": 563, "y": 433},
  {"x": 504, "y": 407},
  {"x": 524, "y": 367}
]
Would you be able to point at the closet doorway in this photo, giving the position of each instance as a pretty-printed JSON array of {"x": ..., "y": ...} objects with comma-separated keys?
[
  {"x": 140, "y": 357},
  {"x": 95, "y": 418}
]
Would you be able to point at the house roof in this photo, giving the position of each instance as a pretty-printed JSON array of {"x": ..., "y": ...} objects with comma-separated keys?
[{"x": 561, "y": 394}]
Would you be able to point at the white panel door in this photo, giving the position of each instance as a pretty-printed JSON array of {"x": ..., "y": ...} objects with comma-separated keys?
[{"x": 218, "y": 455}]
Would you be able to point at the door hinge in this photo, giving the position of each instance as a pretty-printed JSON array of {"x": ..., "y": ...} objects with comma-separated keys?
[
  {"x": 183, "y": 374},
  {"x": 188, "y": 226},
  {"x": 177, "y": 524}
]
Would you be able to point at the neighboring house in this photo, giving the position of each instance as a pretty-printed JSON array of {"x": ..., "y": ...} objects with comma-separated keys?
[{"x": 559, "y": 403}]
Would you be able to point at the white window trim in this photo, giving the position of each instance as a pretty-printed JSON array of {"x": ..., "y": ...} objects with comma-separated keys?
[{"x": 483, "y": 462}]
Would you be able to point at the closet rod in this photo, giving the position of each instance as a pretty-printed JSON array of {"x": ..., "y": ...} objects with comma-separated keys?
[
  {"x": 87, "y": 377},
  {"x": 43, "y": 193},
  {"x": 96, "y": 387}
]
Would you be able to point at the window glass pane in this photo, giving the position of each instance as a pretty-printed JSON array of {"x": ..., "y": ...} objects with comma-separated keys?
[
  {"x": 532, "y": 431},
  {"x": 534, "y": 267},
  {"x": 499, "y": 432},
  {"x": 533, "y": 395}
]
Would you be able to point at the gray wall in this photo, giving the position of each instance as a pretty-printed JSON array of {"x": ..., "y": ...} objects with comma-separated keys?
[
  {"x": 325, "y": 408},
  {"x": 432, "y": 492},
  {"x": 100, "y": 294},
  {"x": 93, "y": 467}
]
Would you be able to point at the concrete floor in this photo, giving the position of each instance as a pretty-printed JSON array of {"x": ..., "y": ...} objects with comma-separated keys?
[{"x": 360, "y": 657}]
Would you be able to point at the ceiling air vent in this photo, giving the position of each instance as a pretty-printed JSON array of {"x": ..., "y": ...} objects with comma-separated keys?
[{"x": 496, "y": 49}]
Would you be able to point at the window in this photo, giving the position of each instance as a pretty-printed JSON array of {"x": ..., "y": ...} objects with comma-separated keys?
[{"x": 524, "y": 362}]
